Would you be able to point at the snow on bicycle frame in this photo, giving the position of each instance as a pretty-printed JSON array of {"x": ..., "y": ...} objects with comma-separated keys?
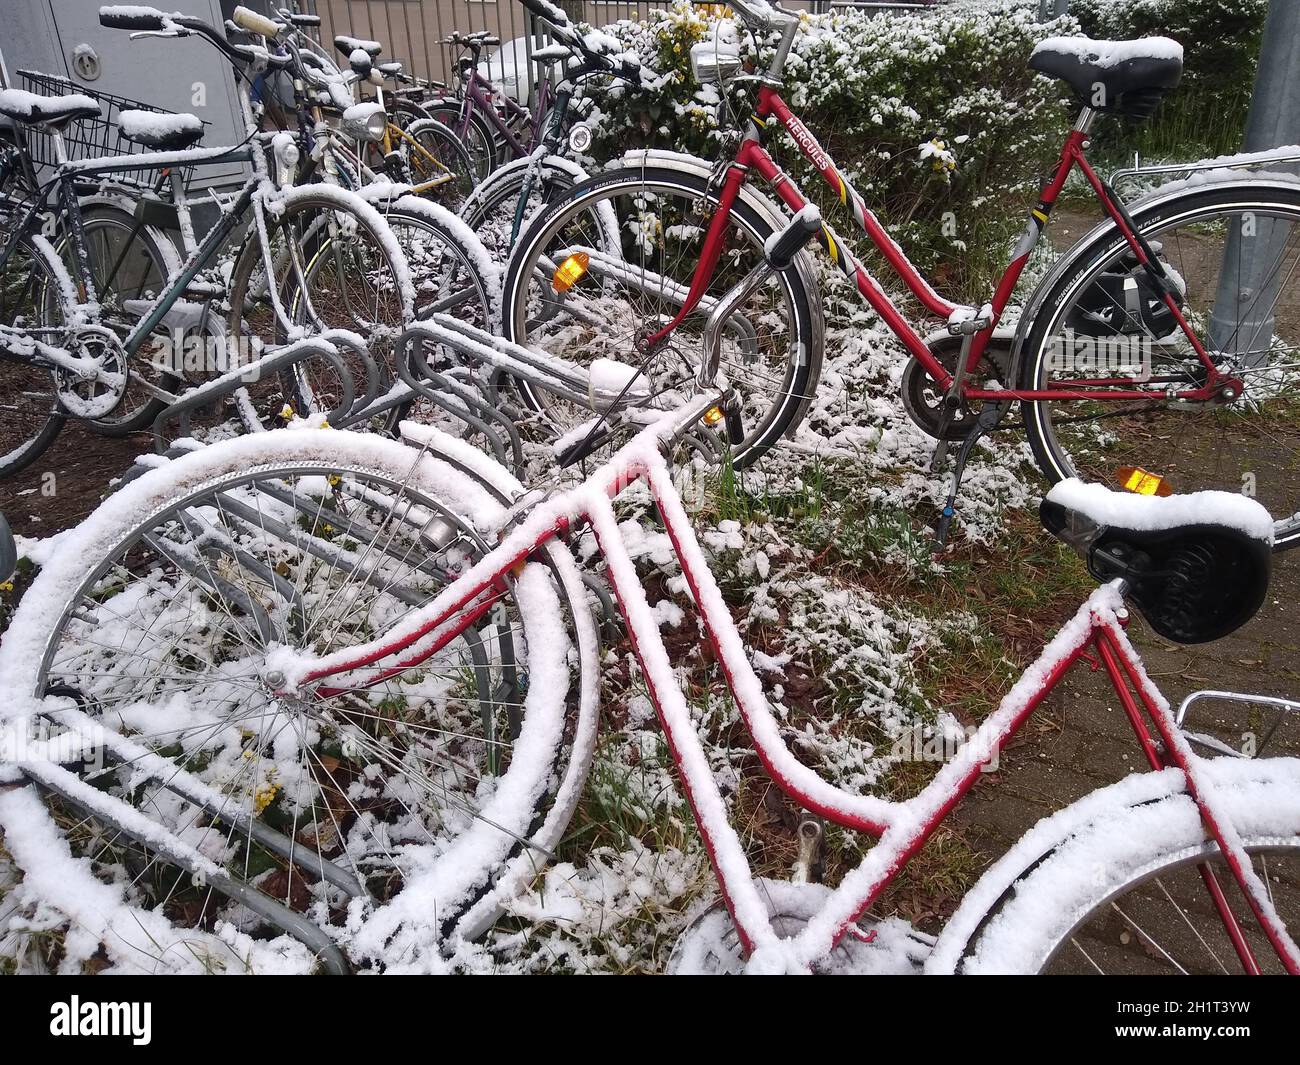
[{"x": 1096, "y": 634}]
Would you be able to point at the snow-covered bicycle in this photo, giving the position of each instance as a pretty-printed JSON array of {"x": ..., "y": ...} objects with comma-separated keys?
[
  {"x": 1161, "y": 340},
  {"x": 314, "y": 697}
]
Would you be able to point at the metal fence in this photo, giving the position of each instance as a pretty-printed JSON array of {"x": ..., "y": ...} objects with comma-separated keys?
[{"x": 413, "y": 30}]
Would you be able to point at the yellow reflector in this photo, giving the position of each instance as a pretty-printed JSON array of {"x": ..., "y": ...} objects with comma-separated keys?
[
  {"x": 1139, "y": 481},
  {"x": 713, "y": 415},
  {"x": 570, "y": 272}
]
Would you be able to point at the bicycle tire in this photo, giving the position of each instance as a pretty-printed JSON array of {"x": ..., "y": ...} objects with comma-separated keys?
[
  {"x": 480, "y": 138},
  {"x": 490, "y": 209},
  {"x": 462, "y": 490},
  {"x": 802, "y": 359},
  {"x": 149, "y": 245},
  {"x": 451, "y": 153},
  {"x": 1050, "y": 904},
  {"x": 38, "y": 420},
  {"x": 249, "y": 292},
  {"x": 1058, "y": 459}
]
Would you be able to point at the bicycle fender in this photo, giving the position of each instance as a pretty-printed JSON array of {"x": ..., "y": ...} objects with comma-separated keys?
[{"x": 1098, "y": 814}]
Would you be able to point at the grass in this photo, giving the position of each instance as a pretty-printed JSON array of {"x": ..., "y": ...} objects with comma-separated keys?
[{"x": 1011, "y": 595}]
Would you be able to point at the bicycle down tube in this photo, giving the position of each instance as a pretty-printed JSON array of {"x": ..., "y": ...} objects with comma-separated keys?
[{"x": 1095, "y": 633}]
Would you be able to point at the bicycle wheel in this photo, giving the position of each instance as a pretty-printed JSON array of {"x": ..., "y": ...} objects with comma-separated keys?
[
  {"x": 1233, "y": 254},
  {"x": 332, "y": 268},
  {"x": 480, "y": 138},
  {"x": 31, "y": 284},
  {"x": 492, "y": 208},
  {"x": 771, "y": 348},
  {"x": 164, "y": 625},
  {"x": 130, "y": 265},
  {"x": 450, "y": 275},
  {"x": 402, "y": 112},
  {"x": 1126, "y": 896},
  {"x": 438, "y": 155}
]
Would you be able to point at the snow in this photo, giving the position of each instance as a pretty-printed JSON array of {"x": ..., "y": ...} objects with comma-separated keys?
[
  {"x": 1107, "y": 54},
  {"x": 23, "y": 104},
  {"x": 157, "y": 124},
  {"x": 1151, "y": 513},
  {"x": 361, "y": 44},
  {"x": 592, "y": 913}
]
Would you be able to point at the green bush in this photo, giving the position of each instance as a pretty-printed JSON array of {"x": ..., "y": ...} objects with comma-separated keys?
[
  {"x": 877, "y": 91},
  {"x": 1206, "y": 114}
]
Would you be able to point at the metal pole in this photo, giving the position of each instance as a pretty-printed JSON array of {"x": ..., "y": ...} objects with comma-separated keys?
[{"x": 1252, "y": 271}]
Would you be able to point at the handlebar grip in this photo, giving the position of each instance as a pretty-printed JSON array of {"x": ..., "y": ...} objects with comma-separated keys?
[
  {"x": 547, "y": 11},
  {"x": 132, "y": 18},
  {"x": 781, "y": 248},
  {"x": 255, "y": 23},
  {"x": 628, "y": 70}
]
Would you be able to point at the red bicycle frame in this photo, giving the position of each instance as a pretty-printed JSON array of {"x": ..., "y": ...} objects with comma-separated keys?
[
  {"x": 753, "y": 157},
  {"x": 1096, "y": 634}
]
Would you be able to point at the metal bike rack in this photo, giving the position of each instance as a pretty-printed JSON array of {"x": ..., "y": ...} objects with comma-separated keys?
[{"x": 229, "y": 383}]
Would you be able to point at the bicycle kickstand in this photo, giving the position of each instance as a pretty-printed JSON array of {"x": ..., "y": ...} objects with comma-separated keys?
[{"x": 989, "y": 416}]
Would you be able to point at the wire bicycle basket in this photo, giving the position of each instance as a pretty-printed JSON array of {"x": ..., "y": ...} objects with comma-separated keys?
[{"x": 91, "y": 137}]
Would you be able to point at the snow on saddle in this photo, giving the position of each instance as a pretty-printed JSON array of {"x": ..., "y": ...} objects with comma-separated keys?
[
  {"x": 1196, "y": 566},
  {"x": 160, "y": 130},
  {"x": 1127, "y": 77},
  {"x": 32, "y": 109}
]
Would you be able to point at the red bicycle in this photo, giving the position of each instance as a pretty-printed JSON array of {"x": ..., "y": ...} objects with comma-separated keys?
[
  {"x": 345, "y": 688},
  {"x": 1163, "y": 341}
]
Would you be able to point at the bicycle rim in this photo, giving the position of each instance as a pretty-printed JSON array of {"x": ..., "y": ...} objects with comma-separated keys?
[{"x": 324, "y": 801}]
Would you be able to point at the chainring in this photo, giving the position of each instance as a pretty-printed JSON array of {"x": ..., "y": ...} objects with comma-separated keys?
[
  {"x": 93, "y": 398},
  {"x": 923, "y": 398}
]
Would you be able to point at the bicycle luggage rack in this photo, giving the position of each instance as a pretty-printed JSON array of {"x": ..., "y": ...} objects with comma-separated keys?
[
  {"x": 88, "y": 138},
  {"x": 1211, "y": 743},
  {"x": 1245, "y": 161}
]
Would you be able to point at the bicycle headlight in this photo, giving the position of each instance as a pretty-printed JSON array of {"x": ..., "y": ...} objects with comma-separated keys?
[
  {"x": 285, "y": 151},
  {"x": 580, "y": 137},
  {"x": 365, "y": 122},
  {"x": 713, "y": 62}
]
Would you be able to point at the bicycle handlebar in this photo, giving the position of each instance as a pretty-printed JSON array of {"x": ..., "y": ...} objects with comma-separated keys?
[
  {"x": 628, "y": 69},
  {"x": 760, "y": 13},
  {"x": 152, "y": 20}
]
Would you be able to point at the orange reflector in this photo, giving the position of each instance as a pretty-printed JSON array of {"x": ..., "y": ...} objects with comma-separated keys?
[
  {"x": 570, "y": 272},
  {"x": 713, "y": 415},
  {"x": 1139, "y": 481}
]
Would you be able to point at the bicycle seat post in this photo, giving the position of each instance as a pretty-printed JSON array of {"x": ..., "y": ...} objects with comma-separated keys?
[
  {"x": 56, "y": 142},
  {"x": 776, "y": 70}
]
